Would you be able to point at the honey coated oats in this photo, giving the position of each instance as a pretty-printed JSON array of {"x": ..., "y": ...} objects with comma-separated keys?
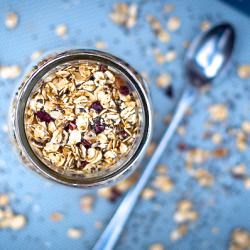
[{"x": 82, "y": 118}]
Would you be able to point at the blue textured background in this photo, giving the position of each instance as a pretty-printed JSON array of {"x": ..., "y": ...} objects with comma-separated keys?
[{"x": 152, "y": 221}]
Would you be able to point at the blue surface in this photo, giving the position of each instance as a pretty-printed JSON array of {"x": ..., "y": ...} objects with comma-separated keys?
[{"x": 152, "y": 221}]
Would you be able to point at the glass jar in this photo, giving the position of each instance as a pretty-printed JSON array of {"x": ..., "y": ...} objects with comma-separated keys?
[{"x": 43, "y": 68}]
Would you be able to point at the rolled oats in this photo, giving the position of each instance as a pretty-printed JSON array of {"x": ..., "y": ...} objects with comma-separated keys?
[{"x": 82, "y": 118}]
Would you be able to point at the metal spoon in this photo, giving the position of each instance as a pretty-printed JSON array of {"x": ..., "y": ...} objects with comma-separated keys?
[{"x": 206, "y": 57}]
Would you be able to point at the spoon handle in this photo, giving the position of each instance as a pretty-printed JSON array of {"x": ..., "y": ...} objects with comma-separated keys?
[{"x": 113, "y": 230}]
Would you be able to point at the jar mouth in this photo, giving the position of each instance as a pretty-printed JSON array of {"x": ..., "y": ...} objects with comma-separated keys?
[{"x": 67, "y": 57}]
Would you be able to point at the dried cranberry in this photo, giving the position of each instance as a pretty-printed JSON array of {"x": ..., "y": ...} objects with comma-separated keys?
[
  {"x": 182, "y": 146},
  {"x": 115, "y": 194},
  {"x": 44, "y": 116},
  {"x": 98, "y": 126},
  {"x": 83, "y": 164},
  {"x": 103, "y": 68},
  {"x": 97, "y": 106},
  {"x": 124, "y": 90},
  {"x": 86, "y": 143},
  {"x": 124, "y": 134}
]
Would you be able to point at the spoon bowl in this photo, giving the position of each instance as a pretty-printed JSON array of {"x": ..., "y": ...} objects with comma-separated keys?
[{"x": 209, "y": 53}]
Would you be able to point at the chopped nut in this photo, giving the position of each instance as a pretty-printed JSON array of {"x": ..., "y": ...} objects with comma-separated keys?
[
  {"x": 148, "y": 194},
  {"x": 74, "y": 233},
  {"x": 156, "y": 246},
  {"x": 56, "y": 216},
  {"x": 11, "y": 20},
  {"x": 173, "y": 23},
  {"x": 218, "y": 112},
  {"x": 243, "y": 71}
]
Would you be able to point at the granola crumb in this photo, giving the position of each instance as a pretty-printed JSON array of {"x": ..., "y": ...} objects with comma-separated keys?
[
  {"x": 148, "y": 194},
  {"x": 243, "y": 71},
  {"x": 163, "y": 183},
  {"x": 86, "y": 203},
  {"x": 11, "y": 20},
  {"x": 74, "y": 233},
  {"x": 17, "y": 222},
  {"x": 98, "y": 225},
  {"x": 56, "y": 216},
  {"x": 61, "y": 30},
  {"x": 239, "y": 171},
  {"x": 4, "y": 199},
  {"x": 216, "y": 138},
  {"x": 156, "y": 246},
  {"x": 204, "y": 178},
  {"x": 174, "y": 23},
  {"x": 246, "y": 127},
  {"x": 9, "y": 72}
]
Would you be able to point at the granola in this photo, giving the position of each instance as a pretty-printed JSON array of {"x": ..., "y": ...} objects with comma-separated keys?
[{"x": 82, "y": 118}]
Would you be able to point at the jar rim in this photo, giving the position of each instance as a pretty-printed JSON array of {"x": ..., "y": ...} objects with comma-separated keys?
[{"x": 34, "y": 78}]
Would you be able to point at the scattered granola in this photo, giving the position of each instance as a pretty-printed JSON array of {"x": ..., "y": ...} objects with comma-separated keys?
[
  {"x": 157, "y": 28},
  {"x": 9, "y": 72},
  {"x": 218, "y": 112},
  {"x": 174, "y": 23},
  {"x": 164, "y": 80},
  {"x": 203, "y": 177},
  {"x": 239, "y": 171},
  {"x": 185, "y": 212},
  {"x": 205, "y": 25},
  {"x": 168, "y": 8},
  {"x": 246, "y": 127},
  {"x": 151, "y": 148},
  {"x": 179, "y": 232},
  {"x": 61, "y": 30},
  {"x": 156, "y": 246},
  {"x": 240, "y": 239},
  {"x": 243, "y": 71},
  {"x": 247, "y": 182},
  {"x": 82, "y": 118},
  {"x": 11, "y": 20},
  {"x": 86, "y": 203},
  {"x": 148, "y": 194},
  {"x": 124, "y": 14},
  {"x": 35, "y": 55},
  {"x": 74, "y": 233},
  {"x": 101, "y": 45},
  {"x": 163, "y": 183},
  {"x": 8, "y": 219}
]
